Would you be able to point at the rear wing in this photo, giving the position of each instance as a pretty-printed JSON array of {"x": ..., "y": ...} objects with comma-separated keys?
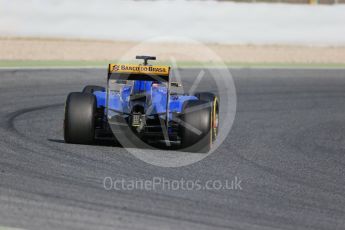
[{"x": 139, "y": 72}]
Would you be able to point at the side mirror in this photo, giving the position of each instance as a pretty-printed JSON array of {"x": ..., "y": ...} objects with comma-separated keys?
[{"x": 175, "y": 84}]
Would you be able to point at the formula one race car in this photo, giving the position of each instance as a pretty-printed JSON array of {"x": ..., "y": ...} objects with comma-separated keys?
[{"x": 138, "y": 106}]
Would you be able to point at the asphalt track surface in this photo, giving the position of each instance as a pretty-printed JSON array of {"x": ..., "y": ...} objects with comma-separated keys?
[{"x": 287, "y": 147}]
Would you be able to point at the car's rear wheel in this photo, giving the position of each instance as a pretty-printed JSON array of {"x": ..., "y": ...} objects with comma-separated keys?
[
  {"x": 213, "y": 99},
  {"x": 92, "y": 88},
  {"x": 196, "y": 126},
  {"x": 79, "y": 122}
]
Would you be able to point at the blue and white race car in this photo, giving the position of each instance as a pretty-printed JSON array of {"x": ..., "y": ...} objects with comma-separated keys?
[{"x": 138, "y": 107}]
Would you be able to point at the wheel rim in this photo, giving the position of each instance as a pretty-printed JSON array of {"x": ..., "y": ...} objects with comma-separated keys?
[{"x": 215, "y": 120}]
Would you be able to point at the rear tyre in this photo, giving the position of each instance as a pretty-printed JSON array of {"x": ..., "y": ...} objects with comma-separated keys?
[
  {"x": 213, "y": 99},
  {"x": 92, "y": 88},
  {"x": 79, "y": 122},
  {"x": 195, "y": 126}
]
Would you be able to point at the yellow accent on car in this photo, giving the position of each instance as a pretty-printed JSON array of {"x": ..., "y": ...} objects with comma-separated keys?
[{"x": 139, "y": 69}]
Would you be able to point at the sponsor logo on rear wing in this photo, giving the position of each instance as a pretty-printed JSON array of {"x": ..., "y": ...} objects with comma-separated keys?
[{"x": 139, "y": 69}]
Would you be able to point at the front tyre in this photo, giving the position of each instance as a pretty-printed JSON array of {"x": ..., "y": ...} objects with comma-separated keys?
[
  {"x": 93, "y": 88},
  {"x": 79, "y": 122}
]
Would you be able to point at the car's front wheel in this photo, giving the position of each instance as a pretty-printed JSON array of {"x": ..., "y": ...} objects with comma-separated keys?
[
  {"x": 93, "y": 88},
  {"x": 79, "y": 122}
]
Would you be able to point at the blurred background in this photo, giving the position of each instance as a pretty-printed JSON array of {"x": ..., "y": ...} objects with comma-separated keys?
[
  {"x": 258, "y": 31},
  {"x": 292, "y": 1}
]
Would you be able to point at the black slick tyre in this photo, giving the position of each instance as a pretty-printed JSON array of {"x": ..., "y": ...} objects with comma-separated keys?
[
  {"x": 214, "y": 100},
  {"x": 195, "y": 126},
  {"x": 92, "y": 88},
  {"x": 79, "y": 122}
]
